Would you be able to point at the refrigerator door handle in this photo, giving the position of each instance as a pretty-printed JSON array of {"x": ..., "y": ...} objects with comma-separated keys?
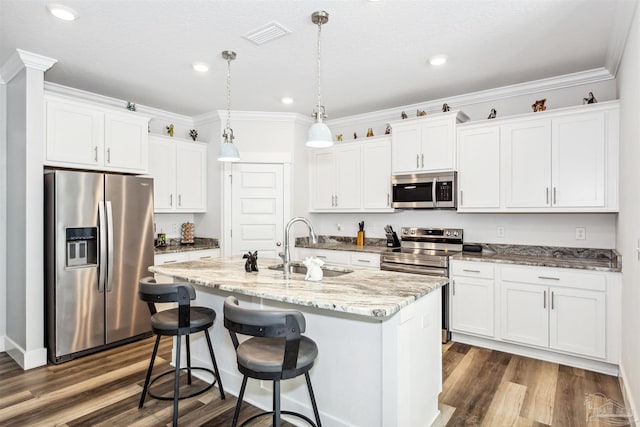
[
  {"x": 109, "y": 246},
  {"x": 103, "y": 246}
]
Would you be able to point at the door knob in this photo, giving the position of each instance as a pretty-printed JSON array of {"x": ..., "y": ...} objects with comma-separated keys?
[{"x": 278, "y": 244}]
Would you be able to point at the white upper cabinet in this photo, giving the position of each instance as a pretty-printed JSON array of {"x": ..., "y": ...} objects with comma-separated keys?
[
  {"x": 85, "y": 136},
  {"x": 425, "y": 144},
  {"x": 179, "y": 174},
  {"x": 556, "y": 161},
  {"x": 351, "y": 177}
]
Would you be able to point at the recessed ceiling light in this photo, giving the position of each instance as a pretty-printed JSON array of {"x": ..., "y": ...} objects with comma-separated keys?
[
  {"x": 287, "y": 100},
  {"x": 200, "y": 67},
  {"x": 438, "y": 59},
  {"x": 62, "y": 12}
]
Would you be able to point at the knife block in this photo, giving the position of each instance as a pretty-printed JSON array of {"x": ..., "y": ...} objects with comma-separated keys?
[{"x": 360, "y": 238}]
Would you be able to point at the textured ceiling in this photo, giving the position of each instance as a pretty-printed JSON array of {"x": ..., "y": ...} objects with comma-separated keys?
[{"x": 374, "y": 54}]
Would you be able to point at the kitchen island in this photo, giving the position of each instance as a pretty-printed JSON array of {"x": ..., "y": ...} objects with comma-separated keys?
[{"x": 378, "y": 335}]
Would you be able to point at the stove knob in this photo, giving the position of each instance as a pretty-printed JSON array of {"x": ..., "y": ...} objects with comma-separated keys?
[
  {"x": 455, "y": 234},
  {"x": 448, "y": 233},
  {"x": 413, "y": 232}
]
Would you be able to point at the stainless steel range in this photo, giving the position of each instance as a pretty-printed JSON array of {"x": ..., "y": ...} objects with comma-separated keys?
[{"x": 426, "y": 251}]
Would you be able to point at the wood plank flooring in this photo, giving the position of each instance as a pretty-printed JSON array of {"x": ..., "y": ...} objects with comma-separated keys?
[{"x": 481, "y": 387}]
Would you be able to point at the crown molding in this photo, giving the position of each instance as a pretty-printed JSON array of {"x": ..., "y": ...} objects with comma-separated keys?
[
  {"x": 22, "y": 59},
  {"x": 548, "y": 84},
  {"x": 102, "y": 100}
]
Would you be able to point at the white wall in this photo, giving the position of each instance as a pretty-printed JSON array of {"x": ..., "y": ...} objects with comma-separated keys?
[
  {"x": 3, "y": 213},
  {"x": 629, "y": 218}
]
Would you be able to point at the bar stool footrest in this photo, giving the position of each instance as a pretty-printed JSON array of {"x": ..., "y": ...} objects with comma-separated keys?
[
  {"x": 172, "y": 372},
  {"x": 294, "y": 414}
]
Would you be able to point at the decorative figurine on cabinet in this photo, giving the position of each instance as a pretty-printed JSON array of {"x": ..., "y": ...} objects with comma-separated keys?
[
  {"x": 131, "y": 106},
  {"x": 369, "y": 132},
  {"x": 445, "y": 107},
  {"x": 421, "y": 113},
  {"x": 590, "y": 99},
  {"x": 355, "y": 135},
  {"x": 403, "y": 115},
  {"x": 170, "y": 130},
  {"x": 539, "y": 105},
  {"x": 193, "y": 134},
  {"x": 252, "y": 261},
  {"x": 387, "y": 131},
  {"x": 492, "y": 114},
  {"x": 339, "y": 137}
]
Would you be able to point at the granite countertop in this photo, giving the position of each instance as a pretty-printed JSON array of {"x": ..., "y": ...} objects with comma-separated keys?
[
  {"x": 547, "y": 256},
  {"x": 364, "y": 292},
  {"x": 199, "y": 244},
  {"x": 343, "y": 243}
]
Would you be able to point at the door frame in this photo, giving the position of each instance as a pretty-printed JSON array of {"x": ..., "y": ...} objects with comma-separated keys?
[{"x": 280, "y": 158}]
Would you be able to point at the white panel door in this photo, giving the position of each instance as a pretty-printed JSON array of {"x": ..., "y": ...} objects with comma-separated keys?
[
  {"x": 162, "y": 167},
  {"x": 191, "y": 177},
  {"x": 528, "y": 164},
  {"x": 405, "y": 148},
  {"x": 525, "y": 314},
  {"x": 578, "y": 154},
  {"x": 257, "y": 209},
  {"x": 348, "y": 177},
  {"x": 479, "y": 167},
  {"x": 126, "y": 142},
  {"x": 577, "y": 322},
  {"x": 438, "y": 137},
  {"x": 376, "y": 175}
]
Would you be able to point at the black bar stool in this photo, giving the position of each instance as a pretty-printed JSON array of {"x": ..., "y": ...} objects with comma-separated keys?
[
  {"x": 277, "y": 352},
  {"x": 181, "y": 321}
]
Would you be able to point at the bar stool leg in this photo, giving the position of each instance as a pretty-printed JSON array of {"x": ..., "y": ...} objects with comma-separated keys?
[
  {"x": 236, "y": 414},
  {"x": 146, "y": 381},
  {"x": 215, "y": 365},
  {"x": 313, "y": 400},
  {"x": 176, "y": 384},
  {"x": 188, "y": 359},
  {"x": 276, "y": 403}
]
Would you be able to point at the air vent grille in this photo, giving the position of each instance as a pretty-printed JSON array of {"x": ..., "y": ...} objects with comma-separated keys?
[{"x": 270, "y": 31}]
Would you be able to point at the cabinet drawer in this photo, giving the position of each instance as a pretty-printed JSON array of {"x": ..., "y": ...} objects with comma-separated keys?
[
  {"x": 555, "y": 277},
  {"x": 327, "y": 255},
  {"x": 170, "y": 258},
  {"x": 204, "y": 255},
  {"x": 365, "y": 259},
  {"x": 472, "y": 269}
]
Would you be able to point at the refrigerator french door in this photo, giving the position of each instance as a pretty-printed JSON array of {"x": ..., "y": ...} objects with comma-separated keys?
[{"x": 99, "y": 244}]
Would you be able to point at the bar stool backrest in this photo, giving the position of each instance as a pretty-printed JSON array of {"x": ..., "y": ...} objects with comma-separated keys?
[{"x": 182, "y": 293}]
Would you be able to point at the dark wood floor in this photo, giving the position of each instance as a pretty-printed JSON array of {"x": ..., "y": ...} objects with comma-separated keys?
[{"x": 481, "y": 388}]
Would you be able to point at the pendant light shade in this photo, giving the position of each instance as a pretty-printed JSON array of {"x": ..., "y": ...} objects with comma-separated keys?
[
  {"x": 319, "y": 135},
  {"x": 228, "y": 150}
]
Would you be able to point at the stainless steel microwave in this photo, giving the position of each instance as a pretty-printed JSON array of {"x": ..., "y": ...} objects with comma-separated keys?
[{"x": 424, "y": 191}]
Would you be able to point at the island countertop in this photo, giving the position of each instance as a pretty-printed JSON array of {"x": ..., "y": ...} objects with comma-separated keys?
[{"x": 365, "y": 292}]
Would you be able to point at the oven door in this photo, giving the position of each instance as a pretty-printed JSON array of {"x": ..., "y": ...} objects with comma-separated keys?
[{"x": 413, "y": 195}]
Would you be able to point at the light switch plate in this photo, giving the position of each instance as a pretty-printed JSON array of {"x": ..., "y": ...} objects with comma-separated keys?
[{"x": 581, "y": 233}]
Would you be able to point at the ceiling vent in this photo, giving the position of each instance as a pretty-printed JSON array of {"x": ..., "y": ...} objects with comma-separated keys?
[{"x": 270, "y": 31}]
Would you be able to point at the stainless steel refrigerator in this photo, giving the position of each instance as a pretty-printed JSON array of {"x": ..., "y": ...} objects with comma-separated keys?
[{"x": 99, "y": 243}]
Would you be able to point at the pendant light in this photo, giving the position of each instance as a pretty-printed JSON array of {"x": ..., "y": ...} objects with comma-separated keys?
[
  {"x": 228, "y": 150},
  {"x": 319, "y": 135}
]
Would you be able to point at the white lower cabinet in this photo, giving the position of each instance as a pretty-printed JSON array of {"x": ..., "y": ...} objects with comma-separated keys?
[
  {"x": 174, "y": 257},
  {"x": 472, "y": 298}
]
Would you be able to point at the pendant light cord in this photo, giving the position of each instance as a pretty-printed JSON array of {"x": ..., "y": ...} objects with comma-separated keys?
[
  {"x": 228, "y": 93},
  {"x": 320, "y": 112}
]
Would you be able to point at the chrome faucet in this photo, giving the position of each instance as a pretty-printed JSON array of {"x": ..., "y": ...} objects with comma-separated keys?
[{"x": 286, "y": 256}]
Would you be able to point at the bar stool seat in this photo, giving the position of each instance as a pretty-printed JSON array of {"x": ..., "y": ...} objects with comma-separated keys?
[
  {"x": 265, "y": 355},
  {"x": 183, "y": 320}
]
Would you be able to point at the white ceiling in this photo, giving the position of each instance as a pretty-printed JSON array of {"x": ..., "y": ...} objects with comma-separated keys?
[{"x": 374, "y": 54}]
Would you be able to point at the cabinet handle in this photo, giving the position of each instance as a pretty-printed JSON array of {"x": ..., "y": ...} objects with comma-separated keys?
[
  {"x": 547, "y": 196},
  {"x": 179, "y": 199},
  {"x": 471, "y": 271},
  {"x": 321, "y": 256},
  {"x": 548, "y": 278},
  {"x": 422, "y": 155},
  {"x": 552, "y": 300},
  {"x": 108, "y": 155},
  {"x": 453, "y": 287},
  {"x": 95, "y": 153},
  {"x": 171, "y": 199},
  {"x": 388, "y": 200},
  {"x": 554, "y": 195},
  {"x": 417, "y": 161},
  {"x": 461, "y": 198},
  {"x": 544, "y": 300},
  {"x": 336, "y": 200},
  {"x": 364, "y": 260},
  {"x": 171, "y": 261},
  {"x": 205, "y": 257}
]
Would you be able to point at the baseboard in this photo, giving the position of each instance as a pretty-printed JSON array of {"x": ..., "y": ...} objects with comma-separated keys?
[
  {"x": 26, "y": 359},
  {"x": 629, "y": 401},
  {"x": 535, "y": 353}
]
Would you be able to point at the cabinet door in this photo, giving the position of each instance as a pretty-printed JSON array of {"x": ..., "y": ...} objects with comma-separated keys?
[
  {"x": 376, "y": 175},
  {"x": 348, "y": 172},
  {"x": 525, "y": 315},
  {"x": 527, "y": 148},
  {"x": 479, "y": 167},
  {"x": 162, "y": 167},
  {"x": 322, "y": 179},
  {"x": 437, "y": 145},
  {"x": 74, "y": 134},
  {"x": 577, "y": 322},
  {"x": 578, "y": 160},
  {"x": 405, "y": 149},
  {"x": 126, "y": 143},
  {"x": 472, "y": 305},
  {"x": 191, "y": 177}
]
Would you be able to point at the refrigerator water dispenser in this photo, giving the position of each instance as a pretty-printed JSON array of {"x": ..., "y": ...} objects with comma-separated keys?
[{"x": 82, "y": 247}]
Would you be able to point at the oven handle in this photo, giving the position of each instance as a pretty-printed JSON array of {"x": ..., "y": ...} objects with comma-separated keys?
[{"x": 433, "y": 192}]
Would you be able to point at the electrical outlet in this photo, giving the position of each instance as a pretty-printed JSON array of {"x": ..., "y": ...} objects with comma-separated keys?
[
  {"x": 581, "y": 233},
  {"x": 174, "y": 229},
  {"x": 500, "y": 231},
  {"x": 339, "y": 227}
]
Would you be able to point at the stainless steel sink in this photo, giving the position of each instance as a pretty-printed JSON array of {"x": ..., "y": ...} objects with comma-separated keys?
[{"x": 300, "y": 268}]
